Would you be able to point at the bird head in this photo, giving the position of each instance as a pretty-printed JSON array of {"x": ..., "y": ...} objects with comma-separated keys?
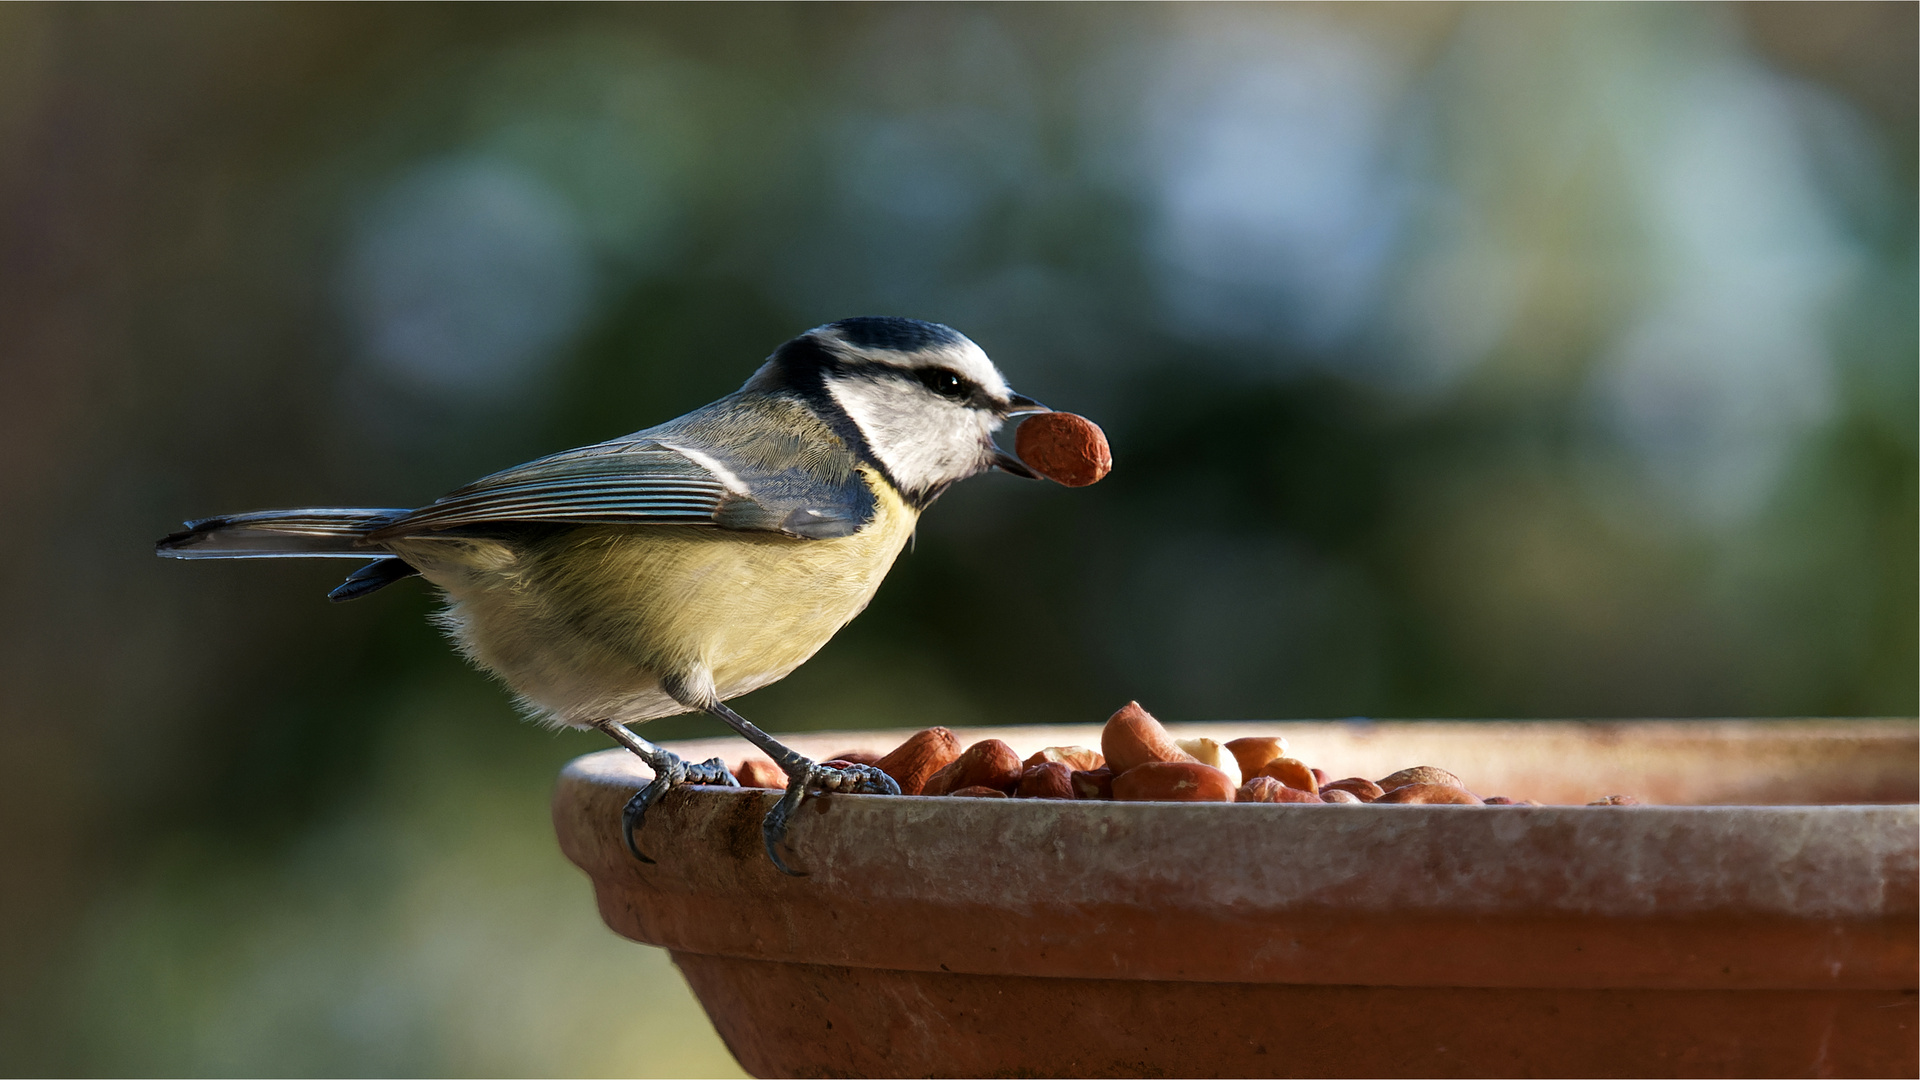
[{"x": 923, "y": 400}]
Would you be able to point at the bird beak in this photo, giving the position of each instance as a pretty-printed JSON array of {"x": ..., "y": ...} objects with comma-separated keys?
[
  {"x": 1007, "y": 463},
  {"x": 1017, "y": 405},
  {"x": 1021, "y": 405}
]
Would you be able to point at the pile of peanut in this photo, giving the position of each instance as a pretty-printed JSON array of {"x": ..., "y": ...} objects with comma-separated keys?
[{"x": 1140, "y": 761}]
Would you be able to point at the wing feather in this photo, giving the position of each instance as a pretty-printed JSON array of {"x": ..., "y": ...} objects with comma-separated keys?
[{"x": 638, "y": 480}]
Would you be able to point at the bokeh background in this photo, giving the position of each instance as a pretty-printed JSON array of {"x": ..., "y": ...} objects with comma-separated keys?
[{"x": 1460, "y": 361}]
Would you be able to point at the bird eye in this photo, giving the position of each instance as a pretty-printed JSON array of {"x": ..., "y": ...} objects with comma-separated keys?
[{"x": 947, "y": 384}]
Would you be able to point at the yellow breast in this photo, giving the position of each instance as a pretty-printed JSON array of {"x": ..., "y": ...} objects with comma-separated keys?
[{"x": 586, "y": 622}]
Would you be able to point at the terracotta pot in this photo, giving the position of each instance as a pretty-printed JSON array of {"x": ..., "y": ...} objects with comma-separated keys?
[{"x": 998, "y": 937}]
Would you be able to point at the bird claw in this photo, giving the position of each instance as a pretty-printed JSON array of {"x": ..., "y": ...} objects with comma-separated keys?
[
  {"x": 669, "y": 772},
  {"x": 850, "y": 779}
]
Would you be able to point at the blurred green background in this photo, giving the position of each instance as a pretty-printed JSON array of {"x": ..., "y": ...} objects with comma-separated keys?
[{"x": 1459, "y": 361}]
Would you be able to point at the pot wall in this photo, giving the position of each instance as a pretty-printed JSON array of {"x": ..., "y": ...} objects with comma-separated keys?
[{"x": 805, "y": 1020}]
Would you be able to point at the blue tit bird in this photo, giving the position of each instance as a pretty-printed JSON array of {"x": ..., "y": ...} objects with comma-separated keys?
[{"x": 674, "y": 569}]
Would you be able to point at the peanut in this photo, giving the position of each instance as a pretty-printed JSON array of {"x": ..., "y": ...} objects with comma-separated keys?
[
  {"x": 987, "y": 763},
  {"x": 1420, "y": 774},
  {"x": 1616, "y": 800},
  {"x": 978, "y": 791},
  {"x": 1073, "y": 757},
  {"x": 1092, "y": 783},
  {"x": 760, "y": 773},
  {"x": 1430, "y": 795},
  {"x": 1360, "y": 788},
  {"x": 1065, "y": 448},
  {"x": 1172, "y": 781},
  {"x": 1209, "y": 752},
  {"x": 1133, "y": 737},
  {"x": 1047, "y": 780},
  {"x": 1292, "y": 772},
  {"x": 1339, "y": 795},
  {"x": 1254, "y": 752},
  {"x": 915, "y": 761},
  {"x": 1267, "y": 789}
]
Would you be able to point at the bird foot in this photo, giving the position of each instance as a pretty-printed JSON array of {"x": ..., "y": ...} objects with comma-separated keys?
[
  {"x": 826, "y": 780},
  {"x": 669, "y": 772}
]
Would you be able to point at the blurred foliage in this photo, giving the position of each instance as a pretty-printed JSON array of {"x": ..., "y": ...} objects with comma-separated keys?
[{"x": 1517, "y": 361}]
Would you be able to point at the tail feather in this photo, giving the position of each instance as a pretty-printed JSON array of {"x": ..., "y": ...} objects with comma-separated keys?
[
  {"x": 371, "y": 578},
  {"x": 273, "y": 534}
]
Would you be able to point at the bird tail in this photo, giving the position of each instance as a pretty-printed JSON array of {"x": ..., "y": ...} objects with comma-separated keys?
[
  {"x": 279, "y": 534},
  {"x": 296, "y": 534}
]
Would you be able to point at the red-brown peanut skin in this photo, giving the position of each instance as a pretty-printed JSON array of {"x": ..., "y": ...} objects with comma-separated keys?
[
  {"x": 1292, "y": 772},
  {"x": 1616, "y": 800},
  {"x": 1133, "y": 737},
  {"x": 1340, "y": 795},
  {"x": 760, "y": 773},
  {"x": 858, "y": 757},
  {"x": 1295, "y": 795},
  {"x": 1420, "y": 774},
  {"x": 1077, "y": 758},
  {"x": 977, "y": 791},
  {"x": 913, "y": 762},
  {"x": 1092, "y": 784},
  {"x": 1429, "y": 795},
  {"x": 987, "y": 763},
  {"x": 1047, "y": 780},
  {"x": 1268, "y": 790},
  {"x": 1358, "y": 786},
  {"x": 1254, "y": 752},
  {"x": 1258, "y": 789},
  {"x": 1172, "y": 781},
  {"x": 1065, "y": 448}
]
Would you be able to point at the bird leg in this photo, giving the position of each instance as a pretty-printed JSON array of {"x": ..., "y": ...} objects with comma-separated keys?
[
  {"x": 668, "y": 772},
  {"x": 804, "y": 775}
]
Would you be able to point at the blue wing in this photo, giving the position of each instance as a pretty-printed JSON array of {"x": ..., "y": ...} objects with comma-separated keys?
[{"x": 755, "y": 465}]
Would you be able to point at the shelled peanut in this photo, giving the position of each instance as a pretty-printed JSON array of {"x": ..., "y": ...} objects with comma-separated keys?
[{"x": 1139, "y": 760}]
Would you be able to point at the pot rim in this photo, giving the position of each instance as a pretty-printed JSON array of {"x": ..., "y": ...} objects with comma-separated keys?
[{"x": 1678, "y": 896}]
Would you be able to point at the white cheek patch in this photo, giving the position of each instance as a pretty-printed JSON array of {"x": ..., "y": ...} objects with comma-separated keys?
[{"x": 924, "y": 442}]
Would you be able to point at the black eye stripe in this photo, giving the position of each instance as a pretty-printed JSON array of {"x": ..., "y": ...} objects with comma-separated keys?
[
  {"x": 948, "y": 384},
  {"x": 945, "y": 382}
]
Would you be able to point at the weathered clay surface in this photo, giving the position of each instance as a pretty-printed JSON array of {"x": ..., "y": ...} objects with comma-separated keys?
[
  {"x": 801, "y": 1020},
  {"x": 1141, "y": 906}
]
